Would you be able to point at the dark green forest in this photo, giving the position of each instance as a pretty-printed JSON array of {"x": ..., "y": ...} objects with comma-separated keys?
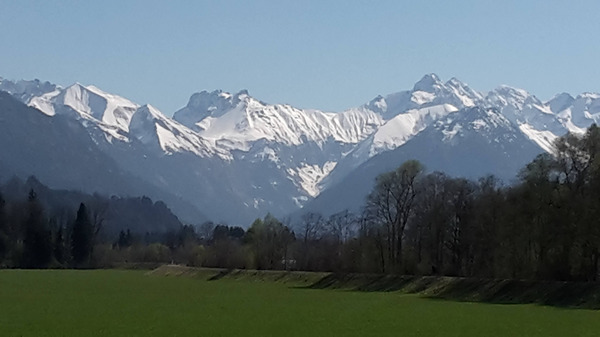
[
  {"x": 544, "y": 226},
  {"x": 41, "y": 227}
]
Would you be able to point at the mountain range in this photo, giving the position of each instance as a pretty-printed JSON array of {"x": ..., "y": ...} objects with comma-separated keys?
[{"x": 230, "y": 157}]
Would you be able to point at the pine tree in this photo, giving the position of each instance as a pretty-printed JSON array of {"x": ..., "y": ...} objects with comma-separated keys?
[
  {"x": 59, "y": 246},
  {"x": 3, "y": 234},
  {"x": 82, "y": 238},
  {"x": 37, "y": 245}
]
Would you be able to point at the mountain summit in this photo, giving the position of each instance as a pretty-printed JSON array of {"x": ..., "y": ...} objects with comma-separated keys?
[{"x": 235, "y": 158}]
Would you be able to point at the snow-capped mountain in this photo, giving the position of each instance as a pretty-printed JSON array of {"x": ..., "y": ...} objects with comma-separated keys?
[
  {"x": 26, "y": 90},
  {"x": 237, "y": 120},
  {"x": 407, "y": 114},
  {"x": 60, "y": 151},
  {"x": 236, "y": 157},
  {"x": 155, "y": 130},
  {"x": 472, "y": 142},
  {"x": 306, "y": 144}
]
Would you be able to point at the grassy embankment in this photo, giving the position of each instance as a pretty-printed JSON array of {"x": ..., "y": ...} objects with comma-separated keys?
[
  {"x": 249, "y": 303},
  {"x": 562, "y": 294}
]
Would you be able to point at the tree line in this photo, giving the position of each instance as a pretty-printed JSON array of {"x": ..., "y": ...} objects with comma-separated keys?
[
  {"x": 543, "y": 226},
  {"x": 28, "y": 239}
]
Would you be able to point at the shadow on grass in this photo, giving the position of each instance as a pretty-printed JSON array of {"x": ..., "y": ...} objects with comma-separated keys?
[
  {"x": 559, "y": 294},
  {"x": 220, "y": 275}
]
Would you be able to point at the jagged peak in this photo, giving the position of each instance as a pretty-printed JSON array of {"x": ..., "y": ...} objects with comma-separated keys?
[
  {"x": 90, "y": 88},
  {"x": 563, "y": 95},
  {"x": 204, "y": 99},
  {"x": 243, "y": 92},
  {"x": 97, "y": 90},
  {"x": 75, "y": 85},
  {"x": 475, "y": 117},
  {"x": 376, "y": 99},
  {"x": 592, "y": 95},
  {"x": 428, "y": 83},
  {"x": 204, "y": 104},
  {"x": 560, "y": 102},
  {"x": 214, "y": 93},
  {"x": 505, "y": 95},
  {"x": 144, "y": 117},
  {"x": 33, "y": 81},
  {"x": 513, "y": 91},
  {"x": 146, "y": 107},
  {"x": 456, "y": 82},
  {"x": 26, "y": 89},
  {"x": 562, "y": 98},
  {"x": 377, "y": 104},
  {"x": 150, "y": 111},
  {"x": 74, "y": 88},
  {"x": 199, "y": 97}
]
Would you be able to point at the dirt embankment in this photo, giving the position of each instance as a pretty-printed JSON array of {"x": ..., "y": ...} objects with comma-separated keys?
[{"x": 563, "y": 294}]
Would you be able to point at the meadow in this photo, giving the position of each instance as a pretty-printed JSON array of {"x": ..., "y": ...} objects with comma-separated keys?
[{"x": 136, "y": 303}]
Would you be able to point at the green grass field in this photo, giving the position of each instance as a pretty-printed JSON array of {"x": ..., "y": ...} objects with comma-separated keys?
[{"x": 132, "y": 303}]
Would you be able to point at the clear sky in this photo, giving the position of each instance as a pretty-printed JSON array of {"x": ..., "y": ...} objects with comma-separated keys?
[{"x": 329, "y": 55}]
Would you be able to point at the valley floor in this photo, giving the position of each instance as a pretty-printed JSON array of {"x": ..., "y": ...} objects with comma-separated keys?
[{"x": 138, "y": 303}]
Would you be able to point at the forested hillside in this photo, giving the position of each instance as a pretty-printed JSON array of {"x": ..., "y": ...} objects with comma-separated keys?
[{"x": 40, "y": 227}]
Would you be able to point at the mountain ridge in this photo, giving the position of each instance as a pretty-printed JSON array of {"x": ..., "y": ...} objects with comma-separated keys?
[{"x": 286, "y": 156}]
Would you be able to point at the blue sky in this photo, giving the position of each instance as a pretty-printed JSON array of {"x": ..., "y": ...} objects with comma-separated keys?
[{"x": 329, "y": 55}]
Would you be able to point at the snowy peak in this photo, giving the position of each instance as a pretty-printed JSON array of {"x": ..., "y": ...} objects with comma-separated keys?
[
  {"x": 486, "y": 123},
  {"x": 87, "y": 102},
  {"x": 155, "y": 130},
  {"x": 560, "y": 102},
  {"x": 463, "y": 92},
  {"x": 583, "y": 111},
  {"x": 208, "y": 104},
  {"x": 390, "y": 105},
  {"x": 429, "y": 83},
  {"x": 508, "y": 96},
  {"x": 92, "y": 102},
  {"x": 377, "y": 105},
  {"x": 548, "y": 120},
  {"x": 524, "y": 109},
  {"x": 143, "y": 125},
  {"x": 427, "y": 92},
  {"x": 227, "y": 150},
  {"x": 479, "y": 118},
  {"x": 404, "y": 126},
  {"x": 431, "y": 90},
  {"x": 415, "y": 110},
  {"x": 26, "y": 90},
  {"x": 236, "y": 121}
]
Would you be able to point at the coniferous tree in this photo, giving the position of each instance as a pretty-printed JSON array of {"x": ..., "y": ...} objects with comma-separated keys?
[
  {"x": 60, "y": 253},
  {"x": 82, "y": 238},
  {"x": 37, "y": 244},
  {"x": 125, "y": 239},
  {"x": 3, "y": 234}
]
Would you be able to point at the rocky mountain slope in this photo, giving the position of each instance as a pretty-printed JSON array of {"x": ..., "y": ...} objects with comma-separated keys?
[{"x": 235, "y": 157}]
